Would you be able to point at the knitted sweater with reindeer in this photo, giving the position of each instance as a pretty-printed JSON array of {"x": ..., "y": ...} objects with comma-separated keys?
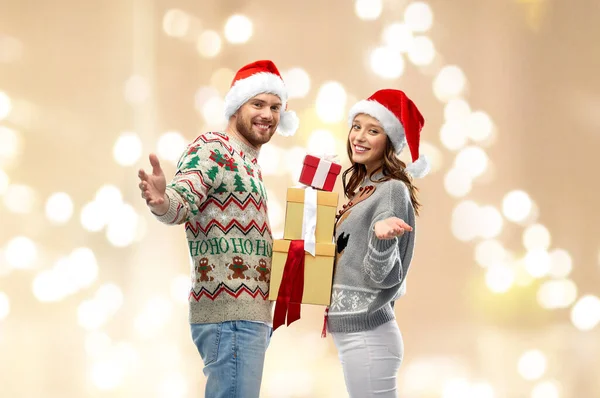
[
  {"x": 218, "y": 194},
  {"x": 370, "y": 273}
]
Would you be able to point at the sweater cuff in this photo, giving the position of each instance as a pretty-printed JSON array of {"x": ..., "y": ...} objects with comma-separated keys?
[
  {"x": 382, "y": 247},
  {"x": 175, "y": 208}
]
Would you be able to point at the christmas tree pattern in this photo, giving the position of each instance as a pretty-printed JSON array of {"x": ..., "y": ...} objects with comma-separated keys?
[
  {"x": 221, "y": 189},
  {"x": 192, "y": 162},
  {"x": 212, "y": 173},
  {"x": 249, "y": 170},
  {"x": 239, "y": 185},
  {"x": 254, "y": 189},
  {"x": 259, "y": 175}
]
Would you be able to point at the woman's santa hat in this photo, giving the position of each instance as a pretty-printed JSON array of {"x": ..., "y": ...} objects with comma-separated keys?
[
  {"x": 257, "y": 78},
  {"x": 401, "y": 121}
]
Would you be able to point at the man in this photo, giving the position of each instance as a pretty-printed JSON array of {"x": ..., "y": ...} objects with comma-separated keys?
[{"x": 219, "y": 194}]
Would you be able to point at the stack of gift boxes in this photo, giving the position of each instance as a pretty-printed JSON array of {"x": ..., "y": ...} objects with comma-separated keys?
[{"x": 319, "y": 174}]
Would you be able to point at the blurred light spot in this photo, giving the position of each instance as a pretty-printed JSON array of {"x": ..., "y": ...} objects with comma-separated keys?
[
  {"x": 110, "y": 296},
  {"x": 213, "y": 111},
  {"x": 276, "y": 212},
  {"x": 490, "y": 252},
  {"x": 481, "y": 390},
  {"x": 465, "y": 220},
  {"x": 20, "y": 252},
  {"x": 176, "y": 23},
  {"x": 173, "y": 385},
  {"x": 453, "y": 135},
  {"x": 449, "y": 83},
  {"x": 97, "y": 343},
  {"x": 127, "y": 149},
  {"x": 546, "y": 389},
  {"x": 209, "y": 44},
  {"x": 301, "y": 382},
  {"x": 11, "y": 49},
  {"x": 297, "y": 82},
  {"x": 85, "y": 267},
  {"x": 537, "y": 263},
  {"x": 109, "y": 197},
  {"x": 387, "y": 63},
  {"x": 418, "y": 16},
  {"x": 557, "y": 294},
  {"x": 180, "y": 289},
  {"x": 19, "y": 198},
  {"x": 122, "y": 227},
  {"x": 91, "y": 217},
  {"x": 153, "y": 317},
  {"x": 108, "y": 374},
  {"x": 49, "y": 287},
  {"x": 294, "y": 161},
  {"x": 92, "y": 314},
  {"x": 203, "y": 95},
  {"x": 5, "y": 105},
  {"x": 585, "y": 314},
  {"x": 422, "y": 51},
  {"x": 398, "y": 37},
  {"x": 457, "y": 182},
  {"x": 4, "y": 181},
  {"x": 59, "y": 208},
  {"x": 433, "y": 154},
  {"x": 479, "y": 126},
  {"x": 170, "y": 146},
  {"x": 368, "y": 10},
  {"x": 499, "y": 278},
  {"x": 491, "y": 222},
  {"x": 10, "y": 145},
  {"x": 516, "y": 206},
  {"x": 238, "y": 29},
  {"x": 532, "y": 365},
  {"x": 561, "y": 263},
  {"x": 536, "y": 236},
  {"x": 472, "y": 160},
  {"x": 331, "y": 102},
  {"x": 321, "y": 143},
  {"x": 137, "y": 90},
  {"x": 457, "y": 110},
  {"x": 269, "y": 160},
  {"x": 4, "y": 306},
  {"x": 221, "y": 80}
]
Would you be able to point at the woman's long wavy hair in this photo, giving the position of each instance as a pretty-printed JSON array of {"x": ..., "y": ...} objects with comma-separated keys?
[{"x": 392, "y": 168}]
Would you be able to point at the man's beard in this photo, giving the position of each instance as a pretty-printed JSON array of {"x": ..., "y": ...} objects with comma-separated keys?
[{"x": 255, "y": 139}]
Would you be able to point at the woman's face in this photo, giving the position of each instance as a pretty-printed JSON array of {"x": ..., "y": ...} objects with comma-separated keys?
[{"x": 367, "y": 140}]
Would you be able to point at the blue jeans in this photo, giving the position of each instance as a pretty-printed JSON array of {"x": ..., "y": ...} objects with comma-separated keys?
[{"x": 234, "y": 355}]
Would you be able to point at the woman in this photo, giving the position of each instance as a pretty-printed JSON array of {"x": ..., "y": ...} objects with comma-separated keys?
[{"x": 375, "y": 239}]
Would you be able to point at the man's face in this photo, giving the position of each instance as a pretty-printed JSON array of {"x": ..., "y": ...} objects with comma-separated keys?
[{"x": 258, "y": 118}]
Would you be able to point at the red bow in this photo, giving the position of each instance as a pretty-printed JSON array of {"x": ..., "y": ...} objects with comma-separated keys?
[{"x": 290, "y": 292}]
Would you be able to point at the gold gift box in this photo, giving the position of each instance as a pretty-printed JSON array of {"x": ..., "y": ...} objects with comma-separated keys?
[
  {"x": 326, "y": 207},
  {"x": 318, "y": 272}
]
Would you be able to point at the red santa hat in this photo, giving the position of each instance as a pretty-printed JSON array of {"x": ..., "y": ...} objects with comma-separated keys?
[
  {"x": 401, "y": 121},
  {"x": 257, "y": 78}
]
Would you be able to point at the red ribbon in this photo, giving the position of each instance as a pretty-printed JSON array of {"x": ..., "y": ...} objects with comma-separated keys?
[{"x": 291, "y": 288}]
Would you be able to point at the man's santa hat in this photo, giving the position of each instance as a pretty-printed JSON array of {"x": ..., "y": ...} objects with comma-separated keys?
[
  {"x": 401, "y": 121},
  {"x": 257, "y": 78}
]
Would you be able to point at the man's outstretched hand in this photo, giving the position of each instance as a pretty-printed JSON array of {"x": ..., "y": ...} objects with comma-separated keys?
[{"x": 153, "y": 187}]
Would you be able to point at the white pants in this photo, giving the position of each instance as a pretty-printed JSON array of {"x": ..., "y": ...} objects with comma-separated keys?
[{"x": 371, "y": 360}]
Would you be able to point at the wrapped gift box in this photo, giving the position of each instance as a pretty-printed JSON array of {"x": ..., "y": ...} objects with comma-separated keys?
[
  {"x": 326, "y": 207},
  {"x": 319, "y": 173},
  {"x": 318, "y": 272}
]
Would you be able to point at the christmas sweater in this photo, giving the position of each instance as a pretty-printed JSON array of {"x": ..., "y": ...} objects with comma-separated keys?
[
  {"x": 370, "y": 273},
  {"x": 218, "y": 194}
]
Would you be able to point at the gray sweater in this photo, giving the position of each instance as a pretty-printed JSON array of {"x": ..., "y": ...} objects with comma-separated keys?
[{"x": 370, "y": 273}]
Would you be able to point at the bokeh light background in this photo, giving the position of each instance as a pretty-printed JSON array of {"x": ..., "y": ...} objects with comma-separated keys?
[{"x": 503, "y": 291}]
